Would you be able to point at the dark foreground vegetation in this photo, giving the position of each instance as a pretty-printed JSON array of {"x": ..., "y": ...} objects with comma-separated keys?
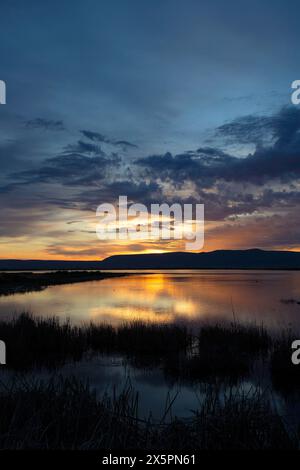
[
  {"x": 14, "y": 283},
  {"x": 66, "y": 414},
  {"x": 224, "y": 351},
  {"x": 33, "y": 342}
]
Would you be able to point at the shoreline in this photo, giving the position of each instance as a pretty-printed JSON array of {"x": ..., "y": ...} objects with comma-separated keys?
[
  {"x": 143, "y": 270},
  {"x": 19, "y": 283}
]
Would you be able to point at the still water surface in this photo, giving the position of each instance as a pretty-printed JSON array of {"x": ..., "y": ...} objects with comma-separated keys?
[{"x": 269, "y": 297}]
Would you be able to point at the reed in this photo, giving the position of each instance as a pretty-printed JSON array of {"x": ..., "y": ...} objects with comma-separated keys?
[
  {"x": 66, "y": 414},
  {"x": 36, "y": 341}
]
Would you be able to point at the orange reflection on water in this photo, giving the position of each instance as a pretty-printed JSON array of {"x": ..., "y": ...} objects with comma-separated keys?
[{"x": 169, "y": 296}]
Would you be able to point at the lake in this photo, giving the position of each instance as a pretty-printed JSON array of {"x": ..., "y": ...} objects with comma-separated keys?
[{"x": 268, "y": 297}]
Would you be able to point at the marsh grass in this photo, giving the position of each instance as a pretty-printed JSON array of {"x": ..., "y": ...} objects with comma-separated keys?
[
  {"x": 239, "y": 419},
  {"x": 66, "y": 414},
  {"x": 230, "y": 349},
  {"x": 227, "y": 350},
  {"x": 35, "y": 341}
]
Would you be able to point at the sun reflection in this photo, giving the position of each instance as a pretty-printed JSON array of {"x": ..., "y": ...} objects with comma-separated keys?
[
  {"x": 167, "y": 297},
  {"x": 153, "y": 297}
]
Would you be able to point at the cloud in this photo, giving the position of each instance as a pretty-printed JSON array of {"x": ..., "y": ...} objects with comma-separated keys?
[
  {"x": 97, "y": 137},
  {"x": 125, "y": 144},
  {"x": 84, "y": 147},
  {"x": 279, "y": 160},
  {"x": 246, "y": 129},
  {"x": 142, "y": 192},
  {"x": 277, "y": 231},
  {"x": 94, "y": 136},
  {"x": 73, "y": 251},
  {"x": 280, "y": 127},
  {"x": 79, "y": 164},
  {"x": 46, "y": 124},
  {"x": 69, "y": 170},
  {"x": 236, "y": 191}
]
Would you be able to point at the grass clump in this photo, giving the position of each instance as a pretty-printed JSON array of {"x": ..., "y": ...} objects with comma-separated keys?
[
  {"x": 223, "y": 351},
  {"x": 232, "y": 420},
  {"x": 33, "y": 341},
  {"x": 66, "y": 414}
]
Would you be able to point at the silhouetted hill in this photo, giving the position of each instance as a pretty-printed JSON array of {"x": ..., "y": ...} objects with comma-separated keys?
[{"x": 220, "y": 259}]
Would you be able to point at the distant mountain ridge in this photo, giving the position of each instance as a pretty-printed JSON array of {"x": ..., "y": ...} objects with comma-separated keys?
[{"x": 220, "y": 259}]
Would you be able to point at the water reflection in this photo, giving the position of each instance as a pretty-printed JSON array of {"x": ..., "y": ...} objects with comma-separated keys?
[
  {"x": 189, "y": 296},
  {"x": 170, "y": 296}
]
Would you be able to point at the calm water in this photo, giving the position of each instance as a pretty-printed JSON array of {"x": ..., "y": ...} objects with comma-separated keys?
[
  {"x": 193, "y": 296},
  {"x": 265, "y": 296}
]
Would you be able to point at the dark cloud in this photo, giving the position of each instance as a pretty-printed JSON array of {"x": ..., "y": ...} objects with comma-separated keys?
[
  {"x": 279, "y": 160},
  {"x": 97, "y": 137},
  {"x": 246, "y": 129},
  {"x": 280, "y": 127},
  {"x": 47, "y": 124},
  {"x": 94, "y": 136},
  {"x": 71, "y": 170},
  {"x": 125, "y": 144},
  {"x": 85, "y": 148},
  {"x": 144, "y": 193}
]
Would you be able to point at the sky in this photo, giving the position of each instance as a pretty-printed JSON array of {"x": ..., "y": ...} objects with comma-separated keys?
[{"x": 163, "y": 101}]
